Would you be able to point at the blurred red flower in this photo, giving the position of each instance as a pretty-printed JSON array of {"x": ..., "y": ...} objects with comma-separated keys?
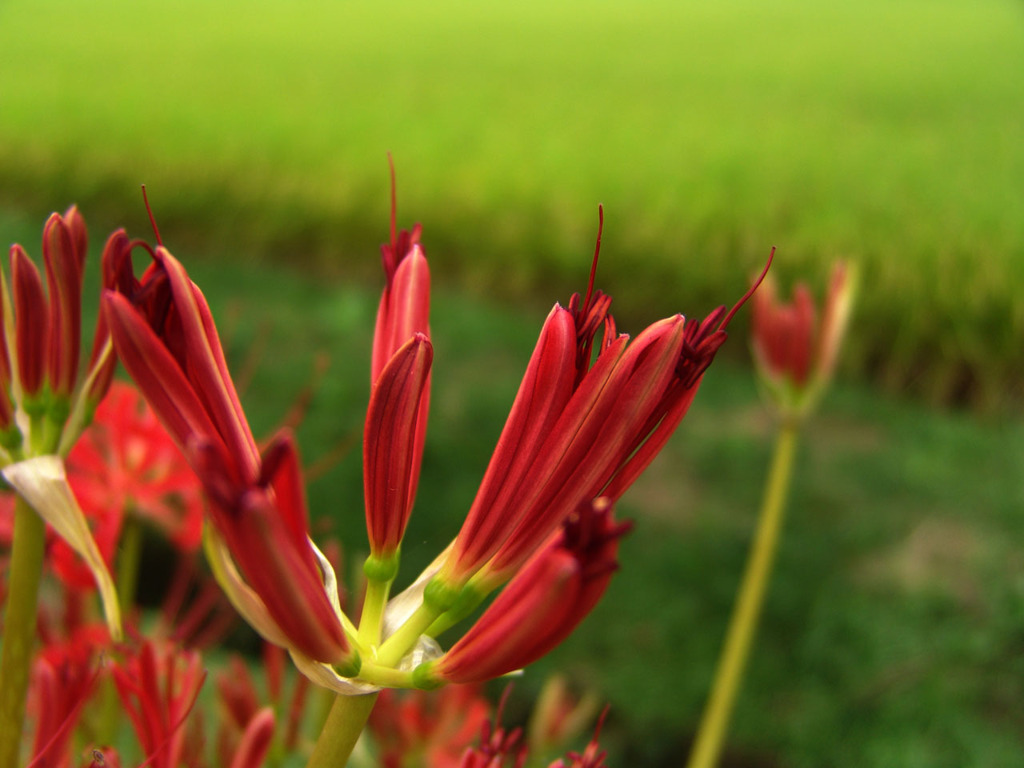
[{"x": 124, "y": 464}]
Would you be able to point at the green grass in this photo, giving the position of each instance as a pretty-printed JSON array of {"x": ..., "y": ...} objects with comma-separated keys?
[
  {"x": 883, "y": 132},
  {"x": 892, "y": 631}
]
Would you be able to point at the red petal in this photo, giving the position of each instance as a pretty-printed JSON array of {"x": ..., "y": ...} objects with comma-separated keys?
[
  {"x": 404, "y": 309},
  {"x": 596, "y": 438},
  {"x": 294, "y": 596},
  {"x": 207, "y": 369},
  {"x": 256, "y": 740},
  {"x": 523, "y": 623},
  {"x": 157, "y": 373},
  {"x": 391, "y": 443},
  {"x": 31, "y": 321},
  {"x": 542, "y": 397},
  {"x": 282, "y": 470},
  {"x": 64, "y": 277}
]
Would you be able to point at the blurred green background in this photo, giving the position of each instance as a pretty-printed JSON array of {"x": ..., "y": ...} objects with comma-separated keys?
[{"x": 889, "y": 133}]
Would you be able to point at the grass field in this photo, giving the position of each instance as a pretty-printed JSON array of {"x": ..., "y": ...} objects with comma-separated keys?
[
  {"x": 884, "y": 132},
  {"x": 892, "y": 632}
]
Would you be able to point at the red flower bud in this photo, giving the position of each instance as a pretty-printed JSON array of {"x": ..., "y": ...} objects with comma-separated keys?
[{"x": 31, "y": 320}]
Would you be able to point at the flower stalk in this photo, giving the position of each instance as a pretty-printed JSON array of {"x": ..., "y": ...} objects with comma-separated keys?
[
  {"x": 19, "y": 627},
  {"x": 128, "y": 561},
  {"x": 743, "y": 624},
  {"x": 341, "y": 731},
  {"x": 795, "y": 356}
]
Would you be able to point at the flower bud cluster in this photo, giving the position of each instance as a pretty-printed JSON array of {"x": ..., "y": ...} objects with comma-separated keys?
[
  {"x": 594, "y": 409},
  {"x": 40, "y": 338}
]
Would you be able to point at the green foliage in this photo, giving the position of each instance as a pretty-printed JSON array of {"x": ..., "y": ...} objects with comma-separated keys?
[{"x": 883, "y": 132}]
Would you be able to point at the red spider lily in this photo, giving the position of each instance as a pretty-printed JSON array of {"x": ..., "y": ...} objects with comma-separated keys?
[
  {"x": 591, "y": 757},
  {"x": 542, "y": 604},
  {"x": 244, "y": 703},
  {"x": 392, "y": 446},
  {"x": 498, "y": 748},
  {"x": 255, "y": 742},
  {"x": 578, "y": 431},
  {"x": 74, "y": 572},
  {"x": 158, "y": 689},
  {"x": 32, "y": 323},
  {"x": 80, "y": 571},
  {"x": 238, "y": 693},
  {"x": 427, "y": 728},
  {"x": 590, "y": 416},
  {"x": 43, "y": 409},
  {"x": 64, "y": 677},
  {"x": 64, "y": 249},
  {"x": 166, "y": 339},
  {"x": 502, "y": 749},
  {"x": 127, "y": 462},
  {"x": 396, "y": 421},
  {"x": 248, "y": 730},
  {"x": 794, "y": 353},
  {"x": 47, "y": 337}
]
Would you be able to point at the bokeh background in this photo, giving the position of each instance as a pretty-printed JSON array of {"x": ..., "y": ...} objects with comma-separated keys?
[{"x": 889, "y": 133}]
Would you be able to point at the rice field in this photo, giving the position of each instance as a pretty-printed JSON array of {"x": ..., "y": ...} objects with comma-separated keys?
[{"x": 886, "y": 133}]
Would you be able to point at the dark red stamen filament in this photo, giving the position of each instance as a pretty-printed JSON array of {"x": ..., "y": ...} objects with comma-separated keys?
[
  {"x": 152, "y": 219},
  {"x": 749, "y": 293},
  {"x": 394, "y": 202},
  {"x": 593, "y": 265}
]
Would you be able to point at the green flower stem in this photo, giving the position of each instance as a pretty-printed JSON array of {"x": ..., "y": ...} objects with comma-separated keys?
[
  {"x": 400, "y": 643},
  {"x": 128, "y": 561},
  {"x": 469, "y": 600},
  {"x": 373, "y": 612},
  {"x": 341, "y": 731},
  {"x": 386, "y": 677},
  {"x": 37, "y": 437},
  {"x": 743, "y": 624},
  {"x": 19, "y": 627}
]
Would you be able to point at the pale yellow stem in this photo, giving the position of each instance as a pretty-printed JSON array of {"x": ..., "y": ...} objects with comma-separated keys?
[
  {"x": 19, "y": 627},
  {"x": 341, "y": 731},
  {"x": 743, "y": 624}
]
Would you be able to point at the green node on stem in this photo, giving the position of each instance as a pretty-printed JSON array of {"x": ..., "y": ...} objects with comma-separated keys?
[
  {"x": 468, "y": 600},
  {"x": 440, "y": 597},
  {"x": 58, "y": 408},
  {"x": 349, "y": 667},
  {"x": 423, "y": 678},
  {"x": 382, "y": 567},
  {"x": 35, "y": 406}
]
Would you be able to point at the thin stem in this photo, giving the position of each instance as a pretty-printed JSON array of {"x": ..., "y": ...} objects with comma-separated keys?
[
  {"x": 373, "y": 612},
  {"x": 19, "y": 627},
  {"x": 399, "y": 644},
  {"x": 341, "y": 731},
  {"x": 743, "y": 624},
  {"x": 128, "y": 561},
  {"x": 386, "y": 677}
]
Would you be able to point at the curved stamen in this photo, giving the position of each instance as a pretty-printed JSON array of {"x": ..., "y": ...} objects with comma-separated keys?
[
  {"x": 152, "y": 219},
  {"x": 749, "y": 293},
  {"x": 394, "y": 200},
  {"x": 593, "y": 265}
]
